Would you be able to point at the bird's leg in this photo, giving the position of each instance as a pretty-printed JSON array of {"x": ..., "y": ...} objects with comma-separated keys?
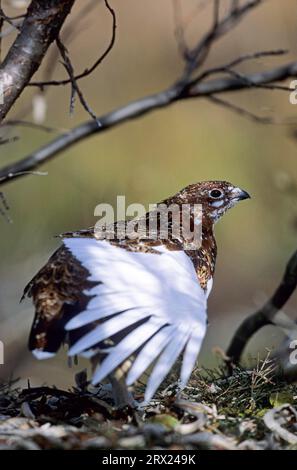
[{"x": 121, "y": 395}]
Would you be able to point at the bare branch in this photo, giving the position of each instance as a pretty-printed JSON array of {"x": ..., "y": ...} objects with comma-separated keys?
[
  {"x": 14, "y": 22},
  {"x": 75, "y": 88},
  {"x": 141, "y": 107},
  {"x": 265, "y": 315},
  {"x": 185, "y": 88},
  {"x": 30, "y": 46},
  {"x": 245, "y": 79},
  {"x": 216, "y": 13},
  {"x": 88, "y": 71},
  {"x": 256, "y": 55},
  {"x": 36, "y": 173},
  {"x": 219, "y": 28},
  {"x": 241, "y": 111},
  {"x": 69, "y": 32},
  {"x": 33, "y": 125},
  {"x": 235, "y": 62},
  {"x": 138, "y": 108},
  {"x": 222, "y": 85}
]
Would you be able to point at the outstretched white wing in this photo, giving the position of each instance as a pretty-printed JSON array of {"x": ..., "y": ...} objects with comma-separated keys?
[{"x": 157, "y": 295}]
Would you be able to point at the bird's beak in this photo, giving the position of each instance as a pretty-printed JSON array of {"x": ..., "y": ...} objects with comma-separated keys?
[{"x": 239, "y": 194}]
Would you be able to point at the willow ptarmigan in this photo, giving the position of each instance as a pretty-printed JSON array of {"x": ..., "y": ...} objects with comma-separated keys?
[{"x": 139, "y": 299}]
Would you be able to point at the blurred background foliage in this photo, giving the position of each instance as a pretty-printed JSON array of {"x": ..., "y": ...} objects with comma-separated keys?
[{"x": 153, "y": 157}]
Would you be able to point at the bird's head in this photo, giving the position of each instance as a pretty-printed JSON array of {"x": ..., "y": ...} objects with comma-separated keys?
[{"x": 216, "y": 197}]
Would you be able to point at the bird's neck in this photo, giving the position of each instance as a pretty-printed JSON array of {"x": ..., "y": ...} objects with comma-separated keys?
[{"x": 204, "y": 258}]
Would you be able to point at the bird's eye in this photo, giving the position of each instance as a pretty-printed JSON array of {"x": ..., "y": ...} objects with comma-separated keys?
[{"x": 215, "y": 193}]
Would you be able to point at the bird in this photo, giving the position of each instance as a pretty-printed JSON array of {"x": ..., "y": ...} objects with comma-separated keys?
[{"x": 132, "y": 304}]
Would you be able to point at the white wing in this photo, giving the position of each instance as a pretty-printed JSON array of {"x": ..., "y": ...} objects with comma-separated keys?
[{"x": 157, "y": 295}]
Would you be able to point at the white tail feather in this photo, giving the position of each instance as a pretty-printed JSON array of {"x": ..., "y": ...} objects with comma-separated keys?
[
  {"x": 126, "y": 347},
  {"x": 149, "y": 353},
  {"x": 165, "y": 362},
  {"x": 135, "y": 286},
  {"x": 105, "y": 330},
  {"x": 190, "y": 355},
  {"x": 93, "y": 315}
]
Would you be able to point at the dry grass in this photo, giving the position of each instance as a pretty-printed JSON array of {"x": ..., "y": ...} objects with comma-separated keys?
[{"x": 245, "y": 411}]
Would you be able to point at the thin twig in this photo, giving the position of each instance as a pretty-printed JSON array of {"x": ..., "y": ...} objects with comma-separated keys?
[
  {"x": 74, "y": 86},
  {"x": 89, "y": 70},
  {"x": 21, "y": 173},
  {"x": 219, "y": 28},
  {"x": 242, "y": 77},
  {"x": 70, "y": 31},
  {"x": 241, "y": 111},
  {"x": 235, "y": 62},
  {"x": 33, "y": 125},
  {"x": 13, "y": 21},
  {"x": 4, "y": 208},
  {"x": 179, "y": 31}
]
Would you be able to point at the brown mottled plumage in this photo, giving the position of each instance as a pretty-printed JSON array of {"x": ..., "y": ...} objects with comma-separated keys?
[{"x": 57, "y": 289}]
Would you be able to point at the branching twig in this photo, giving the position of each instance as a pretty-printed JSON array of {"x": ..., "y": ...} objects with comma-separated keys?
[
  {"x": 21, "y": 173},
  {"x": 14, "y": 22},
  {"x": 219, "y": 28},
  {"x": 239, "y": 60},
  {"x": 186, "y": 87},
  {"x": 74, "y": 86},
  {"x": 91, "y": 69},
  {"x": 265, "y": 315},
  {"x": 141, "y": 107},
  {"x": 70, "y": 32},
  {"x": 25, "y": 55},
  {"x": 33, "y": 125},
  {"x": 245, "y": 80}
]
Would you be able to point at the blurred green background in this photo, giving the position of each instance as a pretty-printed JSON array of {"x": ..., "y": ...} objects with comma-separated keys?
[{"x": 153, "y": 157}]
